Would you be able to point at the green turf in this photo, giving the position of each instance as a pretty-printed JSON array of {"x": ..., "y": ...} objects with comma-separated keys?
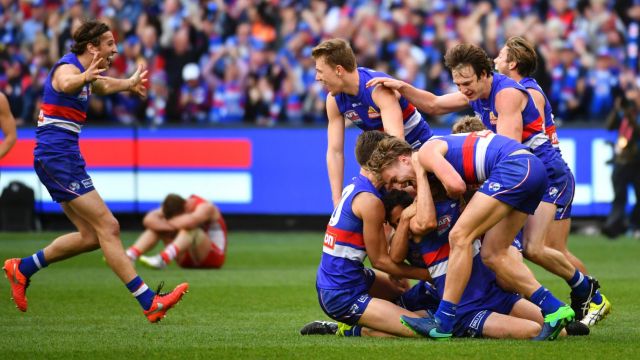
[{"x": 254, "y": 307}]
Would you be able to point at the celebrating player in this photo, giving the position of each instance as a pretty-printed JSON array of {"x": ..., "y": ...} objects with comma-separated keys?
[
  {"x": 61, "y": 168},
  {"x": 369, "y": 108}
]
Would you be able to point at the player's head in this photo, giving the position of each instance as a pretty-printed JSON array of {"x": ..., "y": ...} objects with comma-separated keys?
[
  {"x": 470, "y": 69},
  {"x": 391, "y": 162},
  {"x": 517, "y": 55},
  {"x": 173, "y": 205},
  {"x": 394, "y": 202},
  {"x": 334, "y": 59},
  {"x": 467, "y": 124},
  {"x": 95, "y": 37},
  {"x": 366, "y": 144}
]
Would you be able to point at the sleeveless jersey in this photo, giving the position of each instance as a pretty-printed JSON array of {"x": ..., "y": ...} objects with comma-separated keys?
[
  {"x": 68, "y": 111},
  {"x": 549, "y": 124},
  {"x": 344, "y": 251},
  {"x": 208, "y": 225},
  {"x": 474, "y": 155},
  {"x": 365, "y": 114},
  {"x": 432, "y": 252},
  {"x": 533, "y": 133}
]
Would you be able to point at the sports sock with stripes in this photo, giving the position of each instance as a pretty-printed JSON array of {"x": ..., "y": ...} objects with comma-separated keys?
[{"x": 31, "y": 264}]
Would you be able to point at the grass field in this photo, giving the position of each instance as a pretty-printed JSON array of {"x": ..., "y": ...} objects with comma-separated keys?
[{"x": 254, "y": 307}]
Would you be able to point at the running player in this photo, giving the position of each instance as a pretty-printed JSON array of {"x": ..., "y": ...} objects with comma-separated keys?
[
  {"x": 7, "y": 126},
  {"x": 373, "y": 108},
  {"x": 61, "y": 168},
  {"x": 513, "y": 182},
  {"x": 518, "y": 60},
  {"x": 192, "y": 230},
  {"x": 506, "y": 108}
]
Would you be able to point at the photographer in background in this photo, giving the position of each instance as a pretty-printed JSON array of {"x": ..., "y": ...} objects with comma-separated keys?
[{"x": 626, "y": 161}]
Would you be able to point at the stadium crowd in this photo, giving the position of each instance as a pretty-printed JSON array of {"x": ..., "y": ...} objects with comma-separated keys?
[{"x": 249, "y": 61}]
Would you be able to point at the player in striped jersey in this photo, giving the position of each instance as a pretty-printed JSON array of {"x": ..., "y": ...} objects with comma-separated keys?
[
  {"x": 506, "y": 107},
  {"x": 347, "y": 291},
  {"x": 368, "y": 108},
  {"x": 61, "y": 168},
  {"x": 518, "y": 60},
  {"x": 513, "y": 182}
]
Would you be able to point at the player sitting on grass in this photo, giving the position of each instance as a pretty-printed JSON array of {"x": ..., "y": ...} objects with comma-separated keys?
[{"x": 193, "y": 231}]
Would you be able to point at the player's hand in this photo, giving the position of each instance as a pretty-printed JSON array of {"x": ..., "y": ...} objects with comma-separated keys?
[
  {"x": 138, "y": 81},
  {"x": 409, "y": 212},
  {"x": 393, "y": 84},
  {"x": 94, "y": 70},
  {"x": 401, "y": 284}
]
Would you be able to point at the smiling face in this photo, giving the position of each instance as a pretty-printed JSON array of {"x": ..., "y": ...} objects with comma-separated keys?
[
  {"x": 107, "y": 48},
  {"x": 328, "y": 76},
  {"x": 399, "y": 174},
  {"x": 501, "y": 62},
  {"x": 468, "y": 83}
]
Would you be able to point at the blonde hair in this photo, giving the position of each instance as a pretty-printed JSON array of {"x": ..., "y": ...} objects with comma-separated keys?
[
  {"x": 336, "y": 52},
  {"x": 387, "y": 153}
]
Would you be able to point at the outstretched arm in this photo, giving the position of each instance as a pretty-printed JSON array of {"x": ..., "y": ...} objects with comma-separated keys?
[
  {"x": 7, "y": 125},
  {"x": 105, "y": 85},
  {"x": 335, "y": 149},
  {"x": 424, "y": 100}
]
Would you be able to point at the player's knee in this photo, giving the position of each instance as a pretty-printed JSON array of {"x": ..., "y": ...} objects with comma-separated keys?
[
  {"x": 490, "y": 259},
  {"x": 533, "y": 253},
  {"x": 110, "y": 227},
  {"x": 458, "y": 238}
]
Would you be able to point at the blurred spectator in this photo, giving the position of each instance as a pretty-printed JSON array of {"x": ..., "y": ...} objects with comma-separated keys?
[
  {"x": 194, "y": 96},
  {"x": 626, "y": 118},
  {"x": 264, "y": 45}
]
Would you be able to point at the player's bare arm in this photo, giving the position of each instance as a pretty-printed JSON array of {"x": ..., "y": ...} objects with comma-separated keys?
[
  {"x": 188, "y": 221},
  {"x": 8, "y": 127},
  {"x": 425, "y": 219},
  {"x": 155, "y": 220},
  {"x": 371, "y": 210},
  {"x": 509, "y": 104},
  {"x": 136, "y": 83},
  {"x": 68, "y": 79},
  {"x": 431, "y": 156},
  {"x": 390, "y": 111},
  {"x": 399, "y": 246},
  {"x": 335, "y": 149},
  {"x": 424, "y": 100}
]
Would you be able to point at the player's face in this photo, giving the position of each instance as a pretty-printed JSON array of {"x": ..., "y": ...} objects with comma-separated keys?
[
  {"x": 327, "y": 75},
  {"x": 400, "y": 174},
  {"x": 107, "y": 48},
  {"x": 468, "y": 83},
  {"x": 394, "y": 219},
  {"x": 502, "y": 65}
]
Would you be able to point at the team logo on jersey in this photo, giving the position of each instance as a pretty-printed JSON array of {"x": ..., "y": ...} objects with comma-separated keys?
[
  {"x": 74, "y": 186},
  {"x": 84, "y": 94},
  {"x": 444, "y": 223},
  {"x": 493, "y": 119},
  {"x": 373, "y": 114},
  {"x": 87, "y": 183},
  {"x": 494, "y": 186},
  {"x": 329, "y": 240},
  {"x": 553, "y": 191},
  {"x": 353, "y": 116},
  {"x": 362, "y": 298}
]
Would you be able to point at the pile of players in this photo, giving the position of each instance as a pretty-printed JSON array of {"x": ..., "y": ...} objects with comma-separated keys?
[{"x": 465, "y": 207}]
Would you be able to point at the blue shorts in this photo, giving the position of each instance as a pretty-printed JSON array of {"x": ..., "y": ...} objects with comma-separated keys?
[
  {"x": 518, "y": 180},
  {"x": 347, "y": 305},
  {"x": 422, "y": 296},
  {"x": 59, "y": 164},
  {"x": 560, "y": 188},
  {"x": 566, "y": 198},
  {"x": 470, "y": 318}
]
